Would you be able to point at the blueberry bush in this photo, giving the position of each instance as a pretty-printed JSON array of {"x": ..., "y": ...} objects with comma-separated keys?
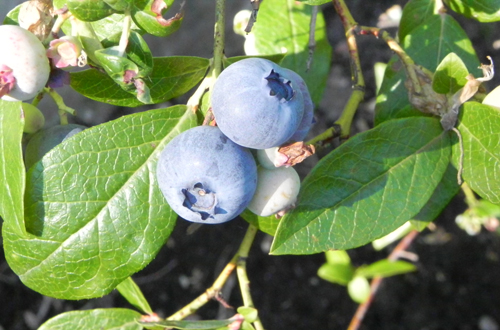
[{"x": 84, "y": 209}]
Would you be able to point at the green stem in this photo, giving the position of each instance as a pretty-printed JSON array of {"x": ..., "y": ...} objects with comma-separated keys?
[
  {"x": 242, "y": 272},
  {"x": 358, "y": 93},
  {"x": 63, "y": 109},
  {"x": 470, "y": 198},
  {"x": 220, "y": 22},
  {"x": 209, "y": 294},
  {"x": 127, "y": 23}
]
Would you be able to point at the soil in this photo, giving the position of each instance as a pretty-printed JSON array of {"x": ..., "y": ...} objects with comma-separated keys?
[{"x": 456, "y": 286}]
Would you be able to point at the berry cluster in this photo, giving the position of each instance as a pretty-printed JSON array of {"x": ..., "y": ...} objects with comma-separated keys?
[{"x": 208, "y": 175}]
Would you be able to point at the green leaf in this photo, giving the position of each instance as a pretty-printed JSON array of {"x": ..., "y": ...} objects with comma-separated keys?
[
  {"x": 249, "y": 313},
  {"x": 94, "y": 209},
  {"x": 12, "y": 16},
  {"x": 171, "y": 77},
  {"x": 450, "y": 76},
  {"x": 336, "y": 273},
  {"x": 315, "y": 2},
  {"x": 427, "y": 45},
  {"x": 266, "y": 224},
  {"x": 109, "y": 29},
  {"x": 195, "y": 325},
  {"x": 480, "y": 128},
  {"x": 291, "y": 35},
  {"x": 102, "y": 319},
  {"x": 359, "y": 289},
  {"x": 147, "y": 20},
  {"x": 133, "y": 294},
  {"x": 368, "y": 185},
  {"x": 12, "y": 172},
  {"x": 139, "y": 53},
  {"x": 493, "y": 98},
  {"x": 481, "y": 10},
  {"x": 442, "y": 195},
  {"x": 336, "y": 257},
  {"x": 414, "y": 13},
  {"x": 385, "y": 268},
  {"x": 89, "y": 10}
]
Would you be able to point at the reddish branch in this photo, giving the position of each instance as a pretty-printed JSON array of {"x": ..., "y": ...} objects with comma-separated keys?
[{"x": 398, "y": 251}]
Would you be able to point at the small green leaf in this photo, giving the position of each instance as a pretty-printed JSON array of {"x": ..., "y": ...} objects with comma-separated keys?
[
  {"x": 89, "y": 10},
  {"x": 427, "y": 45},
  {"x": 315, "y": 2},
  {"x": 171, "y": 77},
  {"x": 359, "y": 289},
  {"x": 385, "y": 268},
  {"x": 115, "y": 66},
  {"x": 12, "y": 16},
  {"x": 12, "y": 172},
  {"x": 119, "y": 5},
  {"x": 481, "y": 10},
  {"x": 139, "y": 53},
  {"x": 266, "y": 224},
  {"x": 93, "y": 207},
  {"x": 337, "y": 257},
  {"x": 368, "y": 185},
  {"x": 480, "y": 128},
  {"x": 249, "y": 313},
  {"x": 336, "y": 273},
  {"x": 450, "y": 76},
  {"x": 283, "y": 27},
  {"x": 109, "y": 29},
  {"x": 133, "y": 294},
  {"x": 148, "y": 21},
  {"x": 102, "y": 319},
  {"x": 493, "y": 98},
  {"x": 187, "y": 325}
]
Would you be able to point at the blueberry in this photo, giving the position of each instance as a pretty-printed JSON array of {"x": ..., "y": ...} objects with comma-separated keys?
[
  {"x": 277, "y": 190},
  {"x": 308, "y": 117},
  {"x": 43, "y": 141},
  {"x": 256, "y": 103},
  {"x": 205, "y": 177}
]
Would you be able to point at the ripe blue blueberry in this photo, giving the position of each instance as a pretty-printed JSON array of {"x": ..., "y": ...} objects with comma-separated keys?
[
  {"x": 257, "y": 104},
  {"x": 308, "y": 117},
  {"x": 205, "y": 177},
  {"x": 43, "y": 141}
]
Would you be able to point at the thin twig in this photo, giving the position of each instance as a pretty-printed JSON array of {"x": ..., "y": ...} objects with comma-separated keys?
[
  {"x": 395, "y": 255},
  {"x": 312, "y": 36},
  {"x": 358, "y": 81}
]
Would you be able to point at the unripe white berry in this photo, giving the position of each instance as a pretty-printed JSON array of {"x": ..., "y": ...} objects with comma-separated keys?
[{"x": 24, "y": 54}]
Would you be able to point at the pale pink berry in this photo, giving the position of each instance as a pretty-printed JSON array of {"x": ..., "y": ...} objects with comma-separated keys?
[{"x": 24, "y": 67}]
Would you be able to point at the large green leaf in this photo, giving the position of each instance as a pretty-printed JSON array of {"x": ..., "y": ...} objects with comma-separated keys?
[
  {"x": 93, "y": 207},
  {"x": 87, "y": 10},
  {"x": 367, "y": 187},
  {"x": 481, "y": 10},
  {"x": 12, "y": 173},
  {"x": 480, "y": 129},
  {"x": 283, "y": 26},
  {"x": 102, "y": 319},
  {"x": 427, "y": 45},
  {"x": 414, "y": 13},
  {"x": 171, "y": 77}
]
